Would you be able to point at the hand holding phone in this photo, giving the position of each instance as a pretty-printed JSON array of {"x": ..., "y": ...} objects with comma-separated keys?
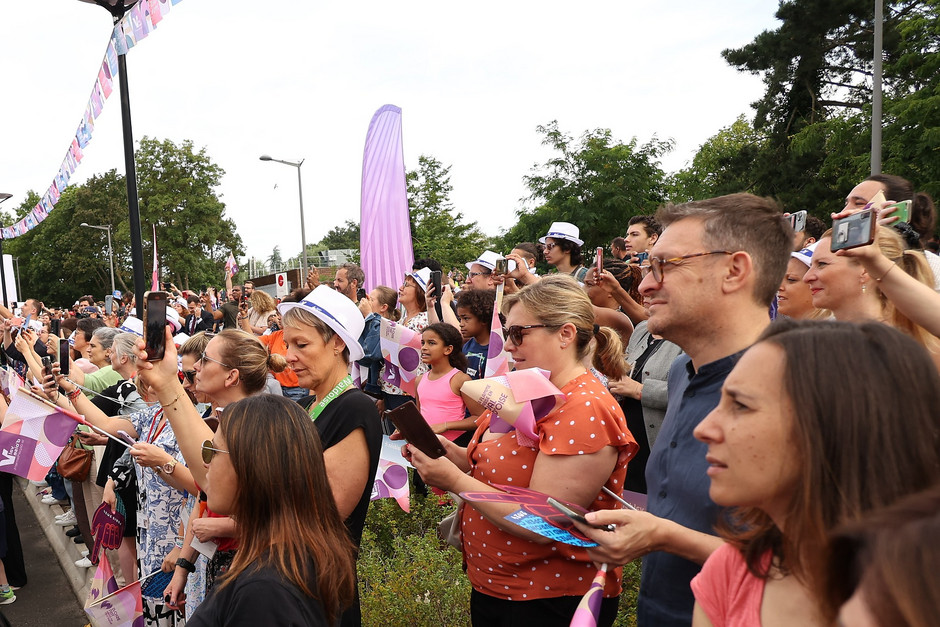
[
  {"x": 155, "y": 304},
  {"x": 855, "y": 230},
  {"x": 577, "y": 517}
]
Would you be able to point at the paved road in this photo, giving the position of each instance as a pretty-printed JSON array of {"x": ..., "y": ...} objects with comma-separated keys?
[{"x": 48, "y": 598}]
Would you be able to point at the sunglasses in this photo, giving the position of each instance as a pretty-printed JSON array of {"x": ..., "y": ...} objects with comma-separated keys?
[
  {"x": 514, "y": 333},
  {"x": 470, "y": 275},
  {"x": 550, "y": 245},
  {"x": 208, "y": 451},
  {"x": 189, "y": 375},
  {"x": 205, "y": 358}
]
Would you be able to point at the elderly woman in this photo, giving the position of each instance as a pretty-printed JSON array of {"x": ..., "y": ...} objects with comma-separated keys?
[
  {"x": 322, "y": 332},
  {"x": 583, "y": 445}
]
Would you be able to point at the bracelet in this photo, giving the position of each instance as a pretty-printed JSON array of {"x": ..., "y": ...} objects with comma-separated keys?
[
  {"x": 178, "y": 397},
  {"x": 179, "y": 542},
  {"x": 73, "y": 394},
  {"x": 893, "y": 263}
]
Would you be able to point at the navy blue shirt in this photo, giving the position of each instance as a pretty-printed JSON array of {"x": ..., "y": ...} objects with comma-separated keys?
[
  {"x": 476, "y": 358},
  {"x": 678, "y": 488}
]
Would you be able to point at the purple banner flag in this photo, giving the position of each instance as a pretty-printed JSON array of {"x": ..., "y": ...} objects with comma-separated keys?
[{"x": 385, "y": 229}]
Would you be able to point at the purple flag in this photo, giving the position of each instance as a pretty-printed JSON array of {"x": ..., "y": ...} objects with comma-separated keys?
[
  {"x": 34, "y": 433},
  {"x": 385, "y": 228}
]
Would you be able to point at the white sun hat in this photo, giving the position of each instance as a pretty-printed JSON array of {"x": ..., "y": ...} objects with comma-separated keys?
[
  {"x": 563, "y": 230},
  {"x": 336, "y": 311}
]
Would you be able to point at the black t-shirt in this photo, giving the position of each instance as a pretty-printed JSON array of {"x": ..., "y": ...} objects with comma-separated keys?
[
  {"x": 259, "y": 596},
  {"x": 350, "y": 411}
]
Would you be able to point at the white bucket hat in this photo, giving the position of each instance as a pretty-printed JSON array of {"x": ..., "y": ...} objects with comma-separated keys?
[
  {"x": 488, "y": 260},
  {"x": 422, "y": 277},
  {"x": 337, "y": 312},
  {"x": 805, "y": 255},
  {"x": 132, "y": 325},
  {"x": 563, "y": 230}
]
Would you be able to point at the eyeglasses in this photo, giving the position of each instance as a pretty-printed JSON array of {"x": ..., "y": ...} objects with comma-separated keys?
[
  {"x": 208, "y": 451},
  {"x": 657, "y": 264},
  {"x": 189, "y": 375},
  {"x": 550, "y": 245},
  {"x": 205, "y": 357},
  {"x": 470, "y": 275},
  {"x": 514, "y": 333}
]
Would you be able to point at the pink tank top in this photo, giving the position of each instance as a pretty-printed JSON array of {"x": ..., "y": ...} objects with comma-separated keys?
[{"x": 439, "y": 404}]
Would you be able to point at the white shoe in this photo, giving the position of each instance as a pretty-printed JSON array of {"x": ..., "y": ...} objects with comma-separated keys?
[
  {"x": 83, "y": 563},
  {"x": 70, "y": 512},
  {"x": 68, "y": 520},
  {"x": 84, "y": 552},
  {"x": 48, "y": 499}
]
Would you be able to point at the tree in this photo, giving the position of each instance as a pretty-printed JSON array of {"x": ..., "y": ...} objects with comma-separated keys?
[
  {"x": 177, "y": 194},
  {"x": 61, "y": 260},
  {"x": 345, "y": 236},
  {"x": 274, "y": 261},
  {"x": 437, "y": 230},
  {"x": 722, "y": 165},
  {"x": 596, "y": 183}
]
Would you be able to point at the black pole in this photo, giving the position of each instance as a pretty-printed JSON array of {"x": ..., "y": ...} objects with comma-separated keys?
[
  {"x": 3, "y": 275},
  {"x": 133, "y": 208}
]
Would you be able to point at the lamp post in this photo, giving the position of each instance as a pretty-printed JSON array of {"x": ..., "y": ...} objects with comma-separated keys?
[
  {"x": 300, "y": 189},
  {"x": 3, "y": 275},
  {"x": 107, "y": 228},
  {"x": 117, "y": 9}
]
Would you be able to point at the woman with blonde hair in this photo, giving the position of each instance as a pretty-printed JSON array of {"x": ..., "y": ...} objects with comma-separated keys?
[
  {"x": 295, "y": 564},
  {"x": 581, "y": 445},
  {"x": 261, "y": 305}
]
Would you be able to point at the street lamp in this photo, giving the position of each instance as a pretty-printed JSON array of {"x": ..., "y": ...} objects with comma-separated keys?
[
  {"x": 300, "y": 189},
  {"x": 117, "y": 9},
  {"x": 3, "y": 276},
  {"x": 107, "y": 228}
]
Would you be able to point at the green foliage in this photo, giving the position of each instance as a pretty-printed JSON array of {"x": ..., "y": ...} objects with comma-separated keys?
[
  {"x": 177, "y": 194},
  {"x": 61, "y": 260},
  {"x": 596, "y": 183},
  {"x": 407, "y": 576},
  {"x": 345, "y": 236},
  {"x": 437, "y": 229}
]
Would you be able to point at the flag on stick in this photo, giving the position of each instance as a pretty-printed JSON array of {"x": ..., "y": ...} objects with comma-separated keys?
[
  {"x": 33, "y": 434},
  {"x": 589, "y": 609},
  {"x": 401, "y": 348},
  {"x": 230, "y": 266},
  {"x": 107, "y": 605}
]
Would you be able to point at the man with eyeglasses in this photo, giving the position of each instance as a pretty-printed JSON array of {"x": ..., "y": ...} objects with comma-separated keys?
[
  {"x": 480, "y": 275},
  {"x": 713, "y": 273}
]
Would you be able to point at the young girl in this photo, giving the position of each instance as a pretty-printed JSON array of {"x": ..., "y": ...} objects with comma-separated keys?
[
  {"x": 475, "y": 313},
  {"x": 438, "y": 390}
]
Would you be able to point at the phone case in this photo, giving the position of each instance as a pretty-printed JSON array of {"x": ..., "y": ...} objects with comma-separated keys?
[
  {"x": 416, "y": 429},
  {"x": 853, "y": 231}
]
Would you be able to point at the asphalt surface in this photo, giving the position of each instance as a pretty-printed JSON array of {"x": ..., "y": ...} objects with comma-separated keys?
[{"x": 48, "y": 598}]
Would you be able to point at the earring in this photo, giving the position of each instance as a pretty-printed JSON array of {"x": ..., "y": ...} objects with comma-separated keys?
[
  {"x": 864, "y": 288},
  {"x": 564, "y": 344}
]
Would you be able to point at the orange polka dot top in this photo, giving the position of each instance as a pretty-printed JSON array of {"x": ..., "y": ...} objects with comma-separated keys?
[{"x": 506, "y": 566}]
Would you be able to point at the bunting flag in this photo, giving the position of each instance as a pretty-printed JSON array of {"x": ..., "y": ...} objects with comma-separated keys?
[
  {"x": 230, "y": 266},
  {"x": 108, "y": 605},
  {"x": 155, "y": 283},
  {"x": 498, "y": 361},
  {"x": 588, "y": 611},
  {"x": 401, "y": 348},
  {"x": 517, "y": 399},
  {"x": 384, "y": 219},
  {"x": 34, "y": 432},
  {"x": 11, "y": 381},
  {"x": 127, "y": 33}
]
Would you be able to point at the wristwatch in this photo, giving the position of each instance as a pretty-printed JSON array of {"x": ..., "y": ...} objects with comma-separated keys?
[
  {"x": 186, "y": 564},
  {"x": 168, "y": 467}
]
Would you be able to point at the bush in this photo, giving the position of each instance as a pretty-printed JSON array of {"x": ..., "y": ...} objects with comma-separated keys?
[{"x": 407, "y": 576}]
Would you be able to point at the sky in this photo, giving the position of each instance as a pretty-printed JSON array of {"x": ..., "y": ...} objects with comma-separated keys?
[{"x": 301, "y": 80}]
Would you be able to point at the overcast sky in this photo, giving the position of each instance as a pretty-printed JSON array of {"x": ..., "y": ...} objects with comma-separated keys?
[{"x": 299, "y": 79}]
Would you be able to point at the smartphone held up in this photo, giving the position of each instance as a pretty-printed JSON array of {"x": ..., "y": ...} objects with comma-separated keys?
[{"x": 155, "y": 304}]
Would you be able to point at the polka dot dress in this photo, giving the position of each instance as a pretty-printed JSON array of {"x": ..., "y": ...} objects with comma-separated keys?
[{"x": 506, "y": 566}]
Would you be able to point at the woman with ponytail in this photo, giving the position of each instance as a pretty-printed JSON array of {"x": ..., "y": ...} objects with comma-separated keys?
[{"x": 582, "y": 445}]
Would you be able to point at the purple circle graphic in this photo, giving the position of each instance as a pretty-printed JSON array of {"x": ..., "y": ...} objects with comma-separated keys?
[
  {"x": 395, "y": 477},
  {"x": 409, "y": 358}
]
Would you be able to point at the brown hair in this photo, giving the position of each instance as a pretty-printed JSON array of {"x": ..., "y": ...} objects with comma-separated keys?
[
  {"x": 556, "y": 300},
  {"x": 864, "y": 397},
  {"x": 245, "y": 353},
  {"x": 923, "y": 212},
  {"x": 891, "y": 556},
  {"x": 742, "y": 222},
  {"x": 419, "y": 296},
  {"x": 283, "y": 502},
  {"x": 389, "y": 296}
]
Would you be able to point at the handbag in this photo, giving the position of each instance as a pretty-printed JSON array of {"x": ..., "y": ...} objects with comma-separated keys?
[
  {"x": 448, "y": 530},
  {"x": 74, "y": 461}
]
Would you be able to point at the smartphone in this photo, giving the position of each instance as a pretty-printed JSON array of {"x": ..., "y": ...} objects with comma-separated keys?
[
  {"x": 47, "y": 365},
  {"x": 124, "y": 435},
  {"x": 900, "y": 209},
  {"x": 64, "y": 358},
  {"x": 501, "y": 266},
  {"x": 599, "y": 259},
  {"x": 853, "y": 231},
  {"x": 573, "y": 515},
  {"x": 26, "y": 322},
  {"x": 436, "y": 282},
  {"x": 798, "y": 221},
  {"x": 155, "y": 324},
  {"x": 55, "y": 327},
  {"x": 109, "y": 304},
  {"x": 416, "y": 429}
]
